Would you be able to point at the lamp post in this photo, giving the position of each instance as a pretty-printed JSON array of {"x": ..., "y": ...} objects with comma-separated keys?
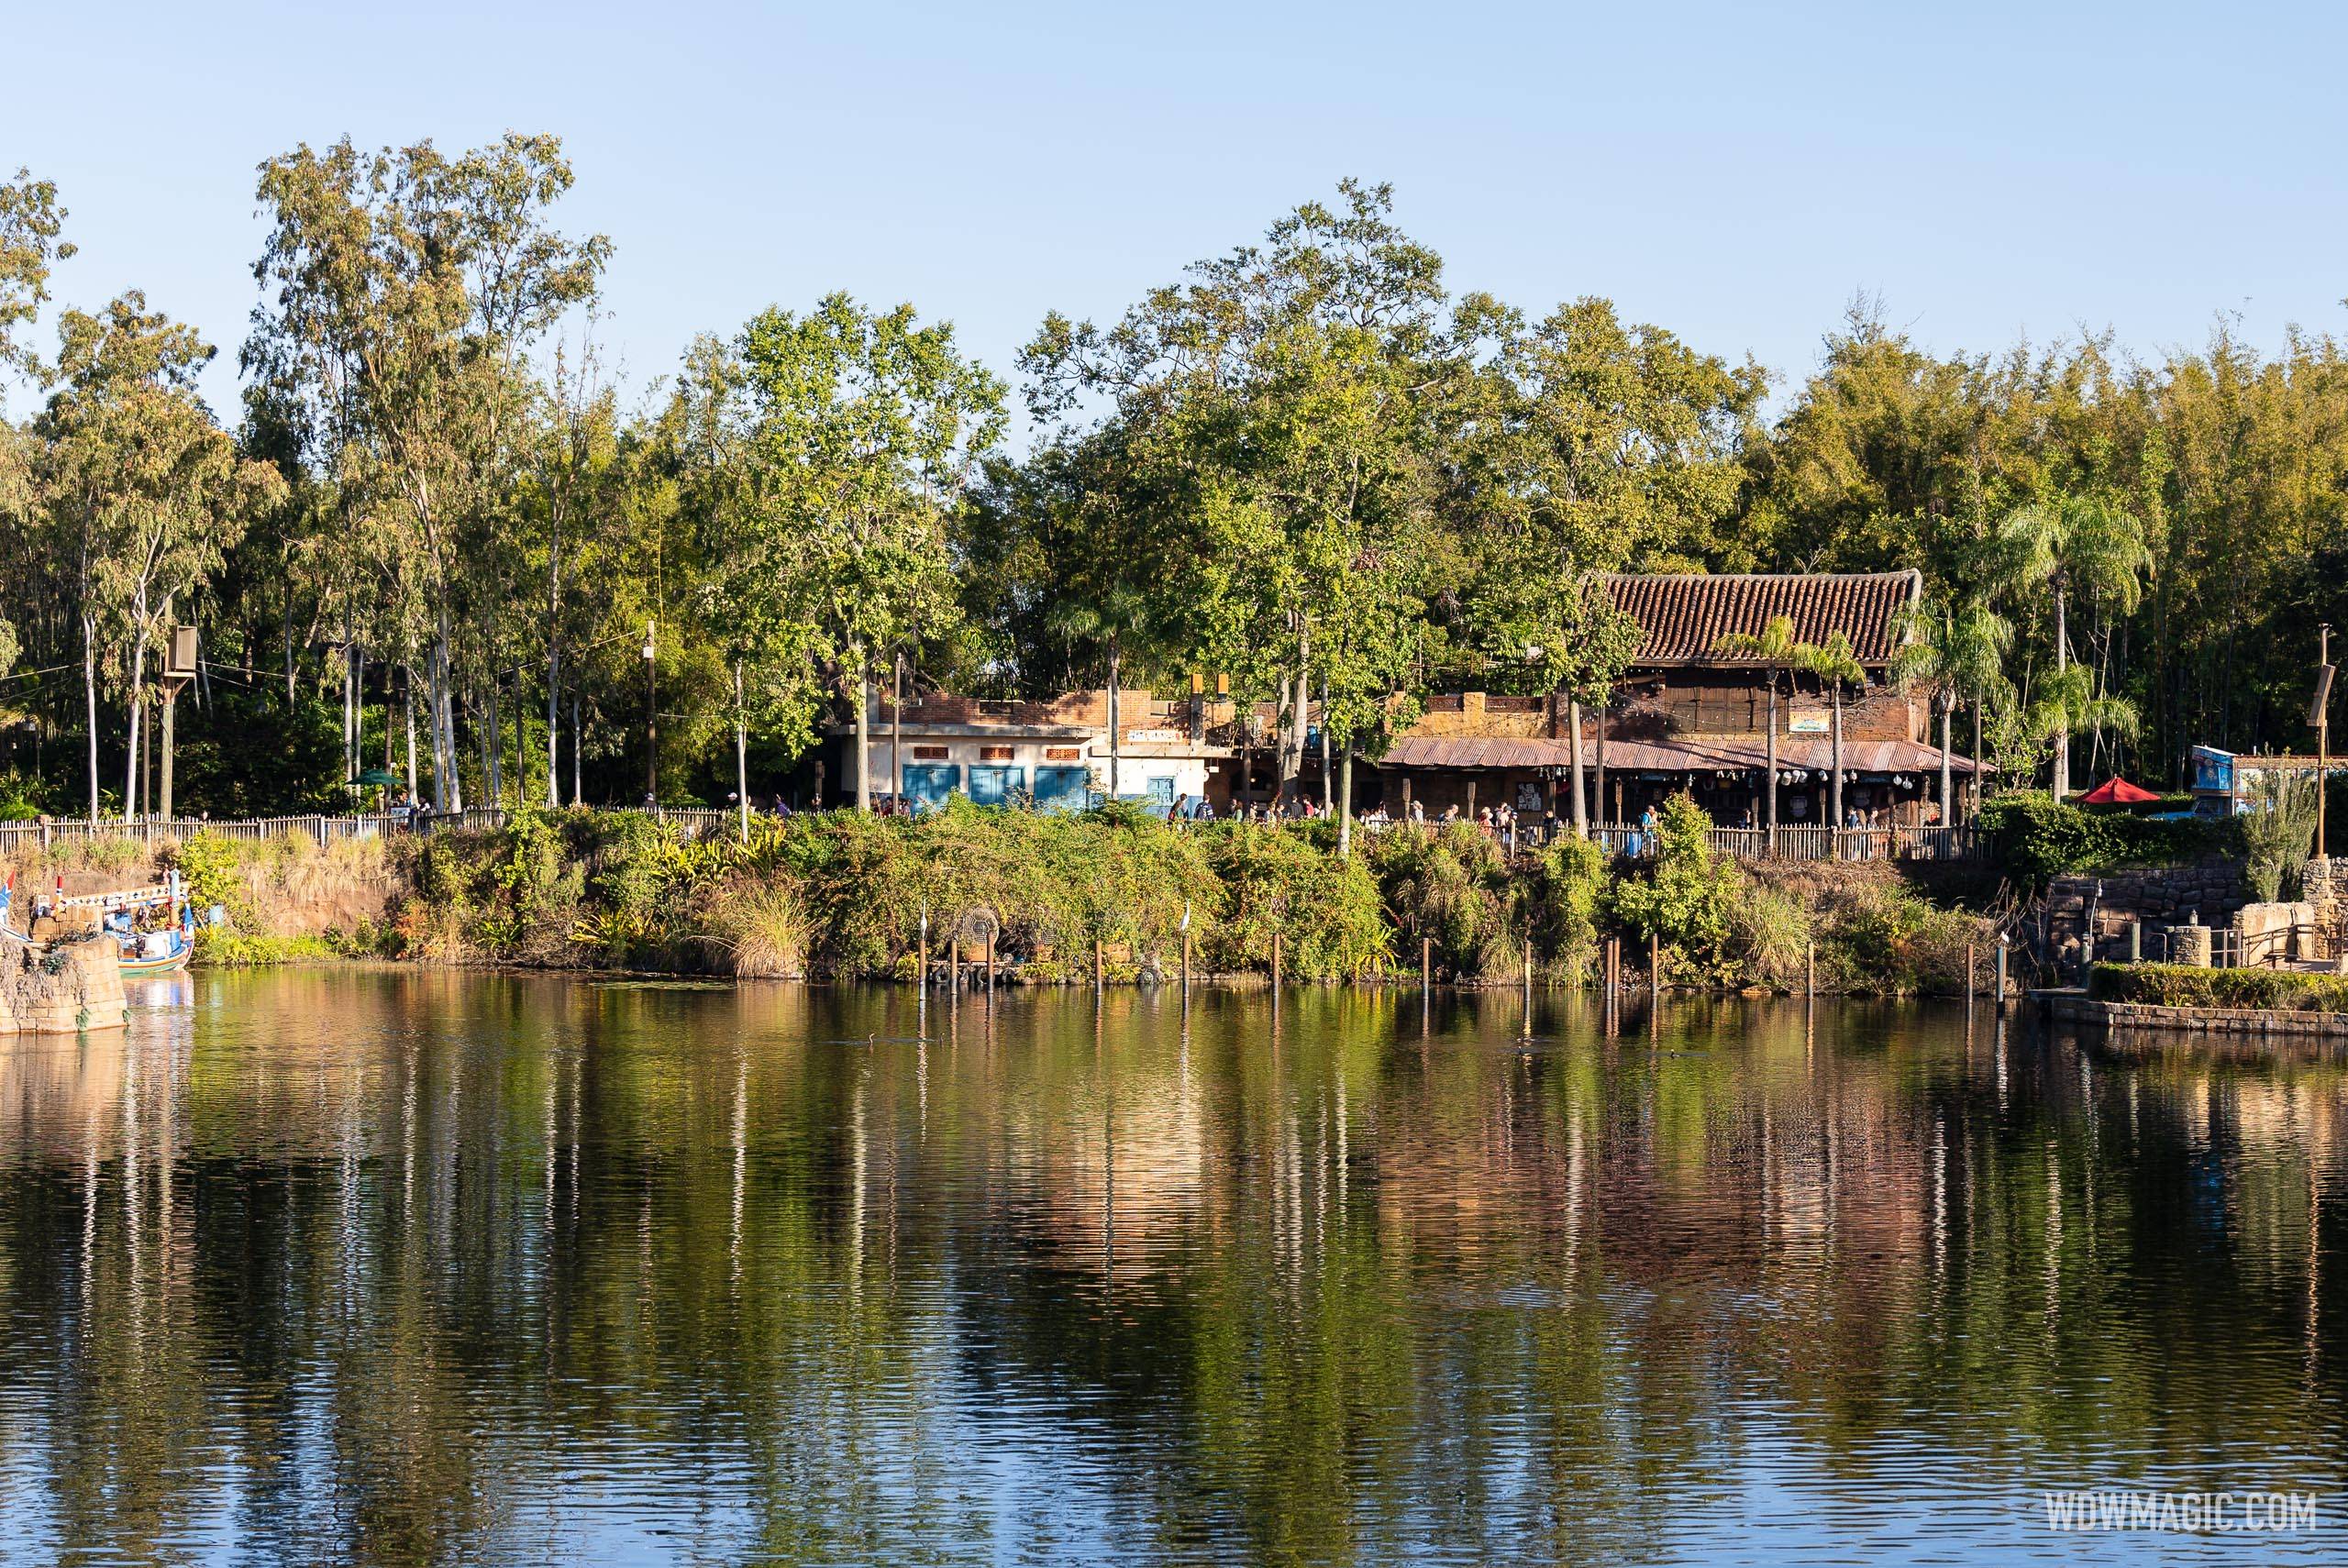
[
  {"x": 651, "y": 722},
  {"x": 2321, "y": 718}
]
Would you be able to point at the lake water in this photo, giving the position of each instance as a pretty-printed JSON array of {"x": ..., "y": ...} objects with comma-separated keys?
[{"x": 408, "y": 1266}]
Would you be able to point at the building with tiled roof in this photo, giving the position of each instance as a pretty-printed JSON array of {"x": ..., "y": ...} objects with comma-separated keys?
[
  {"x": 1683, "y": 616},
  {"x": 1691, "y": 716}
]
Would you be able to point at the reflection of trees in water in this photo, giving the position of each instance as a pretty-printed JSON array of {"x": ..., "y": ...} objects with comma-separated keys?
[{"x": 424, "y": 1263}]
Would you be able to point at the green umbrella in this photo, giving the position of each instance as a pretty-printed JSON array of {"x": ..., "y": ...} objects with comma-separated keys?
[{"x": 378, "y": 776}]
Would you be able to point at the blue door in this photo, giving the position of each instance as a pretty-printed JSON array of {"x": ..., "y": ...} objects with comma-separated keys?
[
  {"x": 996, "y": 785},
  {"x": 1062, "y": 788},
  {"x": 928, "y": 783}
]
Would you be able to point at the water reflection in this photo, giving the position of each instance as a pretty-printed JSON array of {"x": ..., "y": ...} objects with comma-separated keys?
[{"x": 398, "y": 1268}]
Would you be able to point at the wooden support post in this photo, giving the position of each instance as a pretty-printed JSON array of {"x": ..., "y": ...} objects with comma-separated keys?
[
  {"x": 989, "y": 965},
  {"x": 1972, "y": 976},
  {"x": 1096, "y": 964},
  {"x": 2001, "y": 973},
  {"x": 1426, "y": 962},
  {"x": 1186, "y": 958},
  {"x": 1276, "y": 958},
  {"x": 1654, "y": 965},
  {"x": 1809, "y": 968},
  {"x": 954, "y": 966}
]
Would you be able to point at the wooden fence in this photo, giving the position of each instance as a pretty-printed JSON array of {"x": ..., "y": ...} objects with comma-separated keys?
[
  {"x": 1806, "y": 843},
  {"x": 689, "y": 822}
]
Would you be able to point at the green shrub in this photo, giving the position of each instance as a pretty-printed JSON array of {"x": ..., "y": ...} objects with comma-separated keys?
[
  {"x": 2185, "y": 984},
  {"x": 207, "y": 862},
  {"x": 1558, "y": 903},
  {"x": 230, "y": 950},
  {"x": 2036, "y": 840},
  {"x": 1450, "y": 886},
  {"x": 1688, "y": 896}
]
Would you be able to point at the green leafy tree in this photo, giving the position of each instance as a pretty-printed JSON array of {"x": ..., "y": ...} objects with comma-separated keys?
[
  {"x": 143, "y": 492},
  {"x": 402, "y": 292},
  {"x": 866, "y": 430},
  {"x": 30, "y": 222},
  {"x": 1277, "y": 406}
]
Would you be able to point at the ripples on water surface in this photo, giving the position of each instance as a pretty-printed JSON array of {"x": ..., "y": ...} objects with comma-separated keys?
[{"x": 402, "y": 1267}]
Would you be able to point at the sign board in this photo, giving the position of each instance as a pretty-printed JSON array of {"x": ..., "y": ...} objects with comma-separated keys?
[
  {"x": 1153, "y": 737},
  {"x": 1809, "y": 724}
]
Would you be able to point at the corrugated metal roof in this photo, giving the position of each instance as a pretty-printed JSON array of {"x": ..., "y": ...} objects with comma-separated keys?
[
  {"x": 1684, "y": 617},
  {"x": 1669, "y": 756}
]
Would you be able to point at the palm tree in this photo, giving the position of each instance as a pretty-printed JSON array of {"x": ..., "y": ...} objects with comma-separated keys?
[
  {"x": 2082, "y": 543},
  {"x": 2069, "y": 703},
  {"x": 1959, "y": 647},
  {"x": 1835, "y": 665},
  {"x": 1776, "y": 650}
]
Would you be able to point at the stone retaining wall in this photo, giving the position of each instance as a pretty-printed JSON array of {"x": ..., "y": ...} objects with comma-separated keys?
[
  {"x": 2198, "y": 1020},
  {"x": 2209, "y": 889}
]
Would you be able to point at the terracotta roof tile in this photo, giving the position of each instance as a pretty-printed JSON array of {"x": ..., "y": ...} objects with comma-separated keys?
[{"x": 1684, "y": 617}]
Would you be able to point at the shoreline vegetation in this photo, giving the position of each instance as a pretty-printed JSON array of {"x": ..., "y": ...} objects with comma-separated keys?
[{"x": 841, "y": 895}]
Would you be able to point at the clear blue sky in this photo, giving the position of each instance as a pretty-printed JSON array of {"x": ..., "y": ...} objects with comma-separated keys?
[{"x": 1733, "y": 171}]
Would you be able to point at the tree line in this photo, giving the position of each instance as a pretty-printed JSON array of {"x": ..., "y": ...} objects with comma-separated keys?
[{"x": 438, "y": 538}]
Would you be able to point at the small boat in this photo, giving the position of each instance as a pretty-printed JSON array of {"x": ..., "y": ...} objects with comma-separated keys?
[{"x": 153, "y": 925}]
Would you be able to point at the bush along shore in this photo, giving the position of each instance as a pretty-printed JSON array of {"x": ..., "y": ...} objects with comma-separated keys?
[
  {"x": 2180, "y": 985},
  {"x": 843, "y": 895}
]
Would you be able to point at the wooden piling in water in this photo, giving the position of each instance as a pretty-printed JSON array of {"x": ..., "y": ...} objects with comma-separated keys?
[
  {"x": 1654, "y": 965},
  {"x": 1276, "y": 960},
  {"x": 1810, "y": 968},
  {"x": 1426, "y": 962},
  {"x": 1186, "y": 958},
  {"x": 1972, "y": 976},
  {"x": 1097, "y": 971},
  {"x": 954, "y": 965},
  {"x": 989, "y": 965}
]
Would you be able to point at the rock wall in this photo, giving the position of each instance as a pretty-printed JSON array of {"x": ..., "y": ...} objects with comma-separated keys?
[
  {"x": 2211, "y": 890},
  {"x": 63, "y": 989}
]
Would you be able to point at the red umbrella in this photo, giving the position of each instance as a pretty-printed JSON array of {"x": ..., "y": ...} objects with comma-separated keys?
[{"x": 2116, "y": 792}]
